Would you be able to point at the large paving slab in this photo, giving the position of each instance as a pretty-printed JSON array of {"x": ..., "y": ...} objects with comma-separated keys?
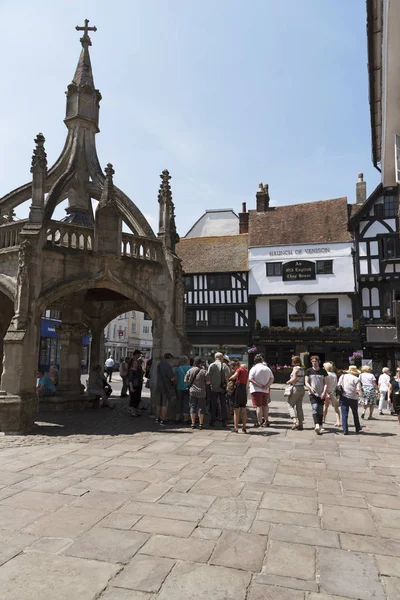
[
  {"x": 37, "y": 575},
  {"x": 130, "y": 511},
  {"x": 193, "y": 580},
  {"x": 349, "y": 574}
]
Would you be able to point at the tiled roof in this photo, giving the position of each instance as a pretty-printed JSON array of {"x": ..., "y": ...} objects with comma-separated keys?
[
  {"x": 217, "y": 254},
  {"x": 324, "y": 221}
]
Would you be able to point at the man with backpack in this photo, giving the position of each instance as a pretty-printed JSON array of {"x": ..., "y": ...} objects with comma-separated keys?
[
  {"x": 218, "y": 373},
  {"x": 197, "y": 379}
]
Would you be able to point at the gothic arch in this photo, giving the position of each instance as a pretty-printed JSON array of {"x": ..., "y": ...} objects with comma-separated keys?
[{"x": 133, "y": 295}]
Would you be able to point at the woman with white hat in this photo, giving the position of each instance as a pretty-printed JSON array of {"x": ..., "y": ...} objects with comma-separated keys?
[
  {"x": 352, "y": 391},
  {"x": 383, "y": 387}
]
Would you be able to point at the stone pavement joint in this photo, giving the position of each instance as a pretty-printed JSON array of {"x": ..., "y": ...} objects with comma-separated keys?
[{"x": 100, "y": 505}]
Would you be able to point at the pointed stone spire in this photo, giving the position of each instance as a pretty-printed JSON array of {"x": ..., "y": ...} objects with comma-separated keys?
[
  {"x": 39, "y": 174},
  {"x": 107, "y": 195},
  {"x": 167, "y": 227},
  {"x": 82, "y": 97}
]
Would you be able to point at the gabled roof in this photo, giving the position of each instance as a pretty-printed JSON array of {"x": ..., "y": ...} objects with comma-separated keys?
[
  {"x": 324, "y": 221},
  {"x": 217, "y": 254}
]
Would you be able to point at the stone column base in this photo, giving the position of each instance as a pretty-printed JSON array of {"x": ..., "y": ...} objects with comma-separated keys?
[
  {"x": 17, "y": 413},
  {"x": 65, "y": 402}
]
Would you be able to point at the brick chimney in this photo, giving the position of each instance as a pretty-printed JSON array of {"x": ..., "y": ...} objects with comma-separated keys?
[
  {"x": 262, "y": 198},
  {"x": 244, "y": 220},
  {"x": 361, "y": 189}
]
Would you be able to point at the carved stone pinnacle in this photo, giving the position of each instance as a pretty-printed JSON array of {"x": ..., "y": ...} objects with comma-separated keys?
[{"x": 39, "y": 157}]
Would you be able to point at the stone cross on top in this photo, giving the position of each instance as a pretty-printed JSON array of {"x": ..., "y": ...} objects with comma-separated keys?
[{"x": 85, "y": 39}]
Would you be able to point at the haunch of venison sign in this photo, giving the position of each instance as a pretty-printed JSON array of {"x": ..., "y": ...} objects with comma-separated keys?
[{"x": 297, "y": 270}]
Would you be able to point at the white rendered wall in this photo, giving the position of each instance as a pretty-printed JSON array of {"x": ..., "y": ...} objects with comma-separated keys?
[
  {"x": 345, "y": 309},
  {"x": 341, "y": 281}
]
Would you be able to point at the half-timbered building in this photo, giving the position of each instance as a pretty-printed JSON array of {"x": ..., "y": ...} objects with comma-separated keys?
[
  {"x": 218, "y": 313},
  {"x": 377, "y": 260},
  {"x": 375, "y": 221}
]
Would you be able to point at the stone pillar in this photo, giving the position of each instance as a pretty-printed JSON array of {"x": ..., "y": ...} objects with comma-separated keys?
[
  {"x": 18, "y": 399},
  {"x": 71, "y": 359},
  {"x": 97, "y": 344}
]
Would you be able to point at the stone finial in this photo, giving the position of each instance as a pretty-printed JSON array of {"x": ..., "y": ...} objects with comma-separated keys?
[
  {"x": 361, "y": 177},
  {"x": 260, "y": 187},
  {"x": 167, "y": 226},
  {"x": 107, "y": 194},
  {"x": 85, "y": 39},
  {"x": 39, "y": 157},
  {"x": 165, "y": 193},
  {"x": 109, "y": 171}
]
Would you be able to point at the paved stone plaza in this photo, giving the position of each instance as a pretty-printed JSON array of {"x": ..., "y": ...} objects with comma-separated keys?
[{"x": 100, "y": 505}]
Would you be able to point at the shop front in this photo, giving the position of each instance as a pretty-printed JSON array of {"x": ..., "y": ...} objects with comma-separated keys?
[
  {"x": 279, "y": 347},
  {"x": 50, "y": 347}
]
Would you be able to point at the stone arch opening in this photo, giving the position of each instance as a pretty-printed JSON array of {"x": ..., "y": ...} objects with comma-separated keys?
[
  {"x": 6, "y": 314},
  {"x": 85, "y": 308}
]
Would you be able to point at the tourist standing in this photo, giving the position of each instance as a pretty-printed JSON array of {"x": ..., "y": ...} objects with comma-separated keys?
[
  {"x": 196, "y": 379},
  {"x": 383, "y": 388},
  {"x": 260, "y": 379},
  {"x": 331, "y": 397},
  {"x": 352, "y": 391},
  {"x": 394, "y": 393},
  {"x": 241, "y": 377},
  {"x": 109, "y": 367},
  {"x": 218, "y": 374},
  {"x": 135, "y": 382},
  {"x": 166, "y": 386},
  {"x": 182, "y": 389},
  {"x": 370, "y": 390},
  {"x": 316, "y": 381},
  {"x": 295, "y": 400},
  {"x": 123, "y": 371}
]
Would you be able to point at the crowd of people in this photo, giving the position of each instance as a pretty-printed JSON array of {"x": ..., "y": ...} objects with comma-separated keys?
[{"x": 194, "y": 388}]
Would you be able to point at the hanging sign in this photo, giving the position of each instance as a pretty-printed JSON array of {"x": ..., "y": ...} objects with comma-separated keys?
[{"x": 298, "y": 270}]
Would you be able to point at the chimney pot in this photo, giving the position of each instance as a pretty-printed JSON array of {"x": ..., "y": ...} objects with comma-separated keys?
[
  {"x": 361, "y": 189},
  {"x": 262, "y": 198},
  {"x": 244, "y": 208}
]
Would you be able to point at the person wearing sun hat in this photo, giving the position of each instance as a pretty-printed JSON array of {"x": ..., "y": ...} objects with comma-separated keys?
[{"x": 352, "y": 391}]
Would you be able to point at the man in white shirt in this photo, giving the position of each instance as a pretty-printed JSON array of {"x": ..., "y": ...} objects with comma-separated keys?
[
  {"x": 109, "y": 365},
  {"x": 260, "y": 379}
]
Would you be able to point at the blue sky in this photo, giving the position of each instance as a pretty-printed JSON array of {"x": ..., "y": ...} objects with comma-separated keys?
[{"x": 223, "y": 93}]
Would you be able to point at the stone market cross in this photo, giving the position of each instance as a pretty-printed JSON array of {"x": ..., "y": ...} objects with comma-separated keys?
[{"x": 84, "y": 265}]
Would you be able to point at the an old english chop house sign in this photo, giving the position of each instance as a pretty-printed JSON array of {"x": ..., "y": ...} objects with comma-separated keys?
[{"x": 298, "y": 270}]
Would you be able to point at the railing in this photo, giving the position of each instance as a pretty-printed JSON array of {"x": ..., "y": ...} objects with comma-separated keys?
[
  {"x": 68, "y": 235},
  {"x": 9, "y": 234},
  {"x": 134, "y": 246},
  {"x": 77, "y": 237}
]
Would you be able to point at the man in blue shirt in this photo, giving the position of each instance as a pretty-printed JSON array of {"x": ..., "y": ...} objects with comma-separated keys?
[{"x": 45, "y": 387}]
